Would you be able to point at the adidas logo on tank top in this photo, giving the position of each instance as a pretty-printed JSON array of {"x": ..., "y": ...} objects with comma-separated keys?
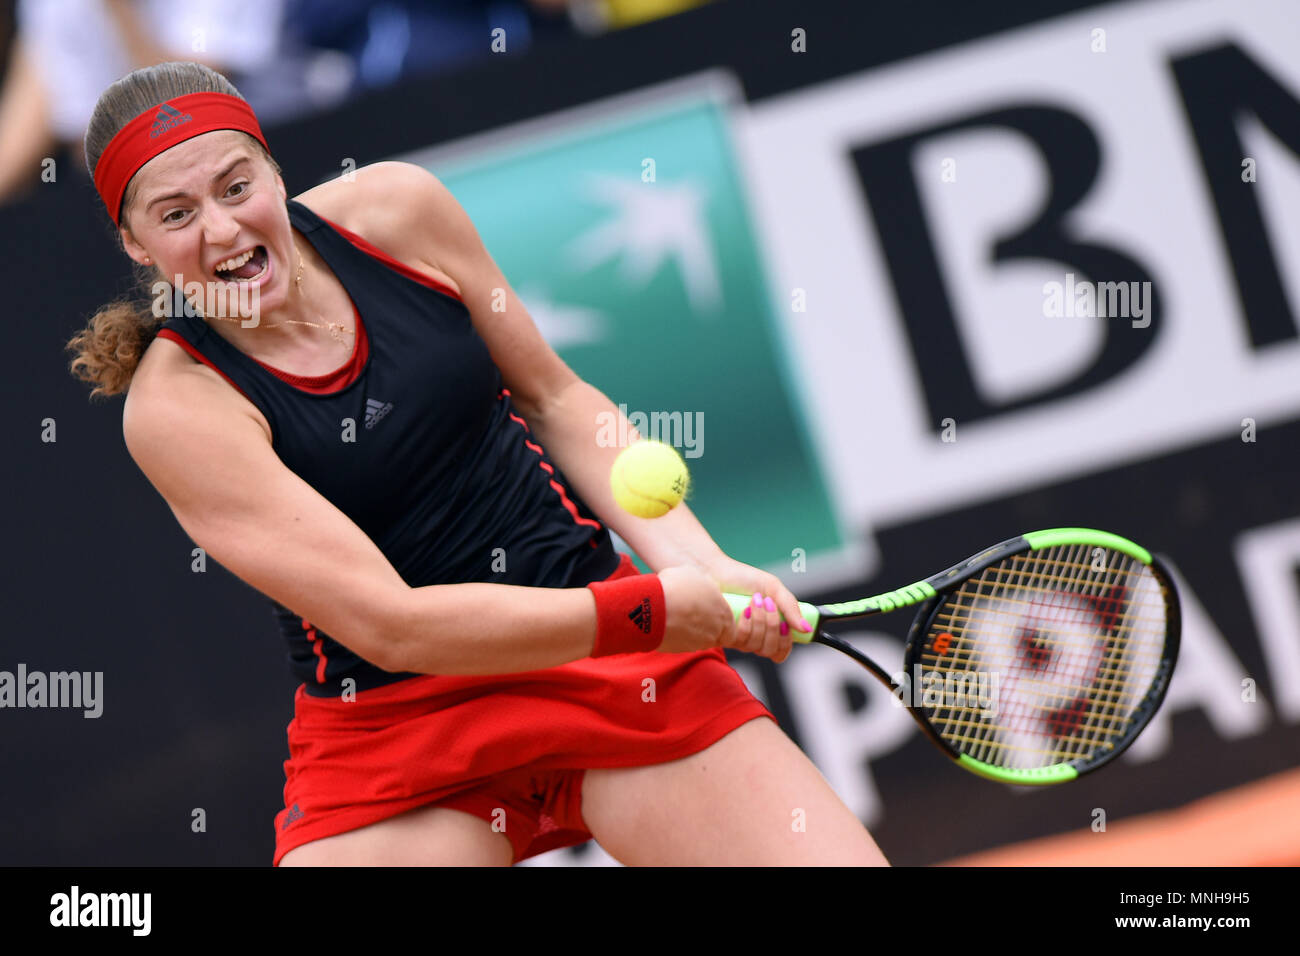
[{"x": 375, "y": 410}]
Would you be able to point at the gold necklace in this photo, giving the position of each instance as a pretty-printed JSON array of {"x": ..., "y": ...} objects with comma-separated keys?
[{"x": 336, "y": 328}]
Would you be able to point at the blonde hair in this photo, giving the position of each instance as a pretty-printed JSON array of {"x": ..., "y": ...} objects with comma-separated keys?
[{"x": 111, "y": 345}]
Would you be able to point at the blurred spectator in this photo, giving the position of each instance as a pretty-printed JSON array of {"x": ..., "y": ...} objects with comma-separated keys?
[
  {"x": 66, "y": 52},
  {"x": 389, "y": 40},
  {"x": 286, "y": 57}
]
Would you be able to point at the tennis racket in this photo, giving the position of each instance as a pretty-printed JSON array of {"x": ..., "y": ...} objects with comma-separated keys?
[{"x": 1033, "y": 662}]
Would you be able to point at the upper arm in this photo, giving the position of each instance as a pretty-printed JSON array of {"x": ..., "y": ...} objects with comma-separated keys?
[
  {"x": 415, "y": 213},
  {"x": 213, "y": 465}
]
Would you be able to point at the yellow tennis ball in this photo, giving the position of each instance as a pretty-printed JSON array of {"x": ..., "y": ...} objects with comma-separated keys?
[{"x": 649, "y": 479}]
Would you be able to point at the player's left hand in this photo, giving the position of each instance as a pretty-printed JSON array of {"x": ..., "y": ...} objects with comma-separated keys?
[{"x": 764, "y": 631}]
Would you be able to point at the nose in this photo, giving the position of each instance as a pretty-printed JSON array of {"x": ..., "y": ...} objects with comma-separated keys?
[{"x": 219, "y": 227}]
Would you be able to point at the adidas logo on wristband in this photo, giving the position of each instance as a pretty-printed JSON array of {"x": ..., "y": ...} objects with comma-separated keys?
[
  {"x": 640, "y": 616},
  {"x": 630, "y": 615}
]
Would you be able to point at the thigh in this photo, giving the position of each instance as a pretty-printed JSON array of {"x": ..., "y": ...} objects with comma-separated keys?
[
  {"x": 751, "y": 799},
  {"x": 425, "y": 836}
]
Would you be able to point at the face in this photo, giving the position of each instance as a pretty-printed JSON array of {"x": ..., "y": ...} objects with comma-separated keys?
[{"x": 199, "y": 209}]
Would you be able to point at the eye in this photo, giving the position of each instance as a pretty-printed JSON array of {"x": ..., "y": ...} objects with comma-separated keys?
[
  {"x": 169, "y": 218},
  {"x": 243, "y": 188}
]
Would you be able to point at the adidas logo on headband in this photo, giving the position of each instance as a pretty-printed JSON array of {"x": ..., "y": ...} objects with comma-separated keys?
[
  {"x": 168, "y": 118},
  {"x": 130, "y": 149}
]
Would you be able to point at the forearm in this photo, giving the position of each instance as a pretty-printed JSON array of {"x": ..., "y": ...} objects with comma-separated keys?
[
  {"x": 479, "y": 628},
  {"x": 141, "y": 48},
  {"x": 569, "y": 431},
  {"x": 25, "y": 135}
]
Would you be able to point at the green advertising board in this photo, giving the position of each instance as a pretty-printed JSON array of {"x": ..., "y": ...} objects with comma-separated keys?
[{"x": 625, "y": 232}]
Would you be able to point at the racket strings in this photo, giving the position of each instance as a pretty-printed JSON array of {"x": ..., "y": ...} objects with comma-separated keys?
[
  {"x": 1075, "y": 658},
  {"x": 1107, "y": 674},
  {"x": 1112, "y": 705},
  {"x": 1106, "y": 686},
  {"x": 1069, "y": 637},
  {"x": 953, "y": 619},
  {"x": 1008, "y": 579}
]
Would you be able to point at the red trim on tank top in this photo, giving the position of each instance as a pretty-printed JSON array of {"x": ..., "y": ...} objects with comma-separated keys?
[
  {"x": 334, "y": 381},
  {"x": 316, "y": 643},
  {"x": 569, "y": 506},
  {"x": 171, "y": 335},
  {"x": 377, "y": 253},
  {"x": 341, "y": 377},
  {"x": 347, "y": 373}
]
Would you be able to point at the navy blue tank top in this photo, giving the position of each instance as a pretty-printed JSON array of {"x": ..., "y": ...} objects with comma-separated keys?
[{"x": 422, "y": 450}]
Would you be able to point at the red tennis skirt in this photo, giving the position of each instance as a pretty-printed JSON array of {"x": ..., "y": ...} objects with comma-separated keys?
[{"x": 512, "y": 742}]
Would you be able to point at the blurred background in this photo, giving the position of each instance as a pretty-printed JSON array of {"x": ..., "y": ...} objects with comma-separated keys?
[{"x": 831, "y": 227}]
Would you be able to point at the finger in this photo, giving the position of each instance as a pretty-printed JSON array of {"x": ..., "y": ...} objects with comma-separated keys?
[
  {"x": 743, "y": 634},
  {"x": 784, "y": 642},
  {"x": 788, "y": 605},
  {"x": 756, "y": 625},
  {"x": 781, "y": 650},
  {"x": 765, "y": 624},
  {"x": 777, "y": 630}
]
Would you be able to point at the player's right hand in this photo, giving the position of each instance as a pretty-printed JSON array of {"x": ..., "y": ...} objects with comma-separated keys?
[{"x": 699, "y": 618}]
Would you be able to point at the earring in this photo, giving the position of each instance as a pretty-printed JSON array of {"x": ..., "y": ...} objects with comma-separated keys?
[
  {"x": 147, "y": 260},
  {"x": 299, "y": 279}
]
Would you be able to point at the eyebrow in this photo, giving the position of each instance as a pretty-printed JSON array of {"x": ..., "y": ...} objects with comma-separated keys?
[{"x": 182, "y": 194}]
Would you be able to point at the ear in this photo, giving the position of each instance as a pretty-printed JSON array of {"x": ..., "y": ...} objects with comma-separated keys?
[
  {"x": 279, "y": 184},
  {"x": 133, "y": 248}
]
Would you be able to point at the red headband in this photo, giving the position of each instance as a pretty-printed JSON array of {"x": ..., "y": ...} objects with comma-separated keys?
[{"x": 161, "y": 127}]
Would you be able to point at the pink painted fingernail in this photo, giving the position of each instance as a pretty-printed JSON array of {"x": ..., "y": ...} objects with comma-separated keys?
[
  {"x": 770, "y": 604},
  {"x": 785, "y": 629},
  {"x": 803, "y": 622},
  {"x": 758, "y": 599},
  {"x": 747, "y": 610}
]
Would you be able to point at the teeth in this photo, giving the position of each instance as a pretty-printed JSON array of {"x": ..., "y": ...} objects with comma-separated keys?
[{"x": 235, "y": 262}]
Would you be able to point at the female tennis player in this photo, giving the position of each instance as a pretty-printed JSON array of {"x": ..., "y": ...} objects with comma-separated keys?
[{"x": 385, "y": 446}]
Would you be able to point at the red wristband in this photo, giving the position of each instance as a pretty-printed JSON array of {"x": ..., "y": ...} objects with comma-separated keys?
[{"x": 630, "y": 615}]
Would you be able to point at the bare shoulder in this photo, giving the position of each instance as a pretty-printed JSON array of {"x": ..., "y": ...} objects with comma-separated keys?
[
  {"x": 169, "y": 387},
  {"x": 392, "y": 205},
  {"x": 374, "y": 195}
]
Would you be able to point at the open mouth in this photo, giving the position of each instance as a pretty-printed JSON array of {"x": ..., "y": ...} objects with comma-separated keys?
[{"x": 245, "y": 267}]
